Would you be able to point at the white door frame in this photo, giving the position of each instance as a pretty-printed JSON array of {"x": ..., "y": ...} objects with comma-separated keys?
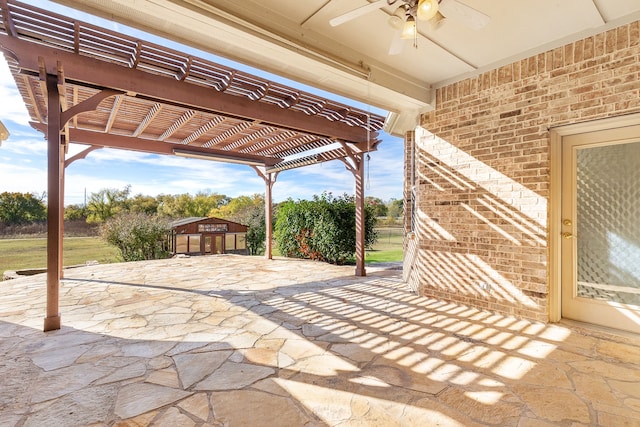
[{"x": 555, "y": 198}]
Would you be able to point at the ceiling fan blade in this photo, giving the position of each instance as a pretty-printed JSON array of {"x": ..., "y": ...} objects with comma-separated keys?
[
  {"x": 467, "y": 15},
  {"x": 397, "y": 43},
  {"x": 357, "y": 12}
]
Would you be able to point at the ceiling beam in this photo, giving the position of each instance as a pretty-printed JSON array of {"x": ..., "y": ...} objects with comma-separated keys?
[{"x": 98, "y": 73}]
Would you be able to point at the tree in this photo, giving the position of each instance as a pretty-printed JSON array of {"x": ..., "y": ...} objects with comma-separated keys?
[
  {"x": 144, "y": 204},
  {"x": 106, "y": 203},
  {"x": 377, "y": 205},
  {"x": 21, "y": 208},
  {"x": 75, "y": 212},
  {"x": 185, "y": 205},
  {"x": 204, "y": 202},
  {"x": 247, "y": 210},
  {"x": 137, "y": 235},
  {"x": 395, "y": 208},
  {"x": 322, "y": 229}
]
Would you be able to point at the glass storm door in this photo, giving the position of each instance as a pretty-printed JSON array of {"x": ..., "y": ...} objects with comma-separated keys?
[
  {"x": 601, "y": 228},
  {"x": 207, "y": 244}
]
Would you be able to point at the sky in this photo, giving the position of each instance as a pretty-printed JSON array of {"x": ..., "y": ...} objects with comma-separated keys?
[{"x": 23, "y": 157}]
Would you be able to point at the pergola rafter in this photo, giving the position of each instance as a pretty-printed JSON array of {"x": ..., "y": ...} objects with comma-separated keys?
[{"x": 85, "y": 84}]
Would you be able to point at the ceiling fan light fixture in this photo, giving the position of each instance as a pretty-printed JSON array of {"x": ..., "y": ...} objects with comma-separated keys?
[
  {"x": 409, "y": 30},
  {"x": 427, "y": 9},
  {"x": 396, "y": 21},
  {"x": 437, "y": 21}
]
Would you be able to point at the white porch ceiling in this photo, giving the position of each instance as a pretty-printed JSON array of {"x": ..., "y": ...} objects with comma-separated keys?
[{"x": 293, "y": 38}]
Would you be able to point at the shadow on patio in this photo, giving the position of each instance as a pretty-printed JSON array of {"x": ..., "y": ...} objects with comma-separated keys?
[{"x": 231, "y": 340}]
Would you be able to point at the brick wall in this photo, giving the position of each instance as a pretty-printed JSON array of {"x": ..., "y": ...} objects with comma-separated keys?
[{"x": 482, "y": 170}]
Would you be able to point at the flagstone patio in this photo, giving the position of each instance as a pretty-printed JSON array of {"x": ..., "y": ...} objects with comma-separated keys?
[{"x": 243, "y": 341}]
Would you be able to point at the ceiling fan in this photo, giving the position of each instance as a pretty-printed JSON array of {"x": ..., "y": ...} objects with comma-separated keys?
[{"x": 406, "y": 16}]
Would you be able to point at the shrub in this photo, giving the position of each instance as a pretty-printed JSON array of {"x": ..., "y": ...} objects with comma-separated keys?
[
  {"x": 322, "y": 229},
  {"x": 138, "y": 236}
]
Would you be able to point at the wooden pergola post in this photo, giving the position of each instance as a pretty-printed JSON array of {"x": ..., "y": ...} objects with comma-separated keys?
[
  {"x": 354, "y": 163},
  {"x": 61, "y": 181},
  {"x": 270, "y": 179},
  {"x": 360, "y": 215},
  {"x": 55, "y": 177},
  {"x": 56, "y": 150}
]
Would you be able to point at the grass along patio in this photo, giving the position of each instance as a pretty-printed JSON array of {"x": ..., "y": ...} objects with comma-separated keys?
[{"x": 31, "y": 253}]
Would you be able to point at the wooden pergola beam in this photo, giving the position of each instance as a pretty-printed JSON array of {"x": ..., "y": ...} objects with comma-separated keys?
[
  {"x": 131, "y": 143},
  {"x": 97, "y": 73}
]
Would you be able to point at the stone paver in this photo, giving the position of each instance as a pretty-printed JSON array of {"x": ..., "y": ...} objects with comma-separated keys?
[{"x": 242, "y": 341}]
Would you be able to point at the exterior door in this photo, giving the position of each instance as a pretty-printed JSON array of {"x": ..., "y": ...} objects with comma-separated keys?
[
  {"x": 600, "y": 244},
  {"x": 219, "y": 244},
  {"x": 207, "y": 244}
]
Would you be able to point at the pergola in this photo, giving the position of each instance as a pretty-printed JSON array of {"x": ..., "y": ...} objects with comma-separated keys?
[{"x": 88, "y": 85}]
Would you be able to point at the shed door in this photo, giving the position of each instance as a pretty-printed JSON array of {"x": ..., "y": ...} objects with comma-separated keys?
[
  {"x": 219, "y": 244},
  {"x": 213, "y": 243}
]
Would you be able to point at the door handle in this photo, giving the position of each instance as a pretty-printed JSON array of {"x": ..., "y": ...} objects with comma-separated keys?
[{"x": 567, "y": 235}]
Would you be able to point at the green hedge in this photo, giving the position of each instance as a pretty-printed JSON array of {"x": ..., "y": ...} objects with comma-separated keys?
[{"x": 323, "y": 228}]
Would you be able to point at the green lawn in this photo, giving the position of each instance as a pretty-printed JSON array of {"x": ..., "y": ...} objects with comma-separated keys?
[
  {"x": 17, "y": 254},
  {"x": 393, "y": 255},
  {"x": 388, "y": 248}
]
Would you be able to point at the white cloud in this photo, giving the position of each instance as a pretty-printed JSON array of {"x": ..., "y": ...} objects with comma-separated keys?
[
  {"x": 25, "y": 146},
  {"x": 22, "y": 178},
  {"x": 11, "y": 108}
]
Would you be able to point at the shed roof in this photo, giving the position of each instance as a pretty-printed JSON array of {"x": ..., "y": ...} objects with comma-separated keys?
[
  {"x": 158, "y": 100},
  {"x": 185, "y": 221},
  {"x": 191, "y": 220}
]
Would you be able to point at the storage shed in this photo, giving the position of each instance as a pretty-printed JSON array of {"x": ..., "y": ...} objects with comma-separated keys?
[{"x": 206, "y": 236}]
